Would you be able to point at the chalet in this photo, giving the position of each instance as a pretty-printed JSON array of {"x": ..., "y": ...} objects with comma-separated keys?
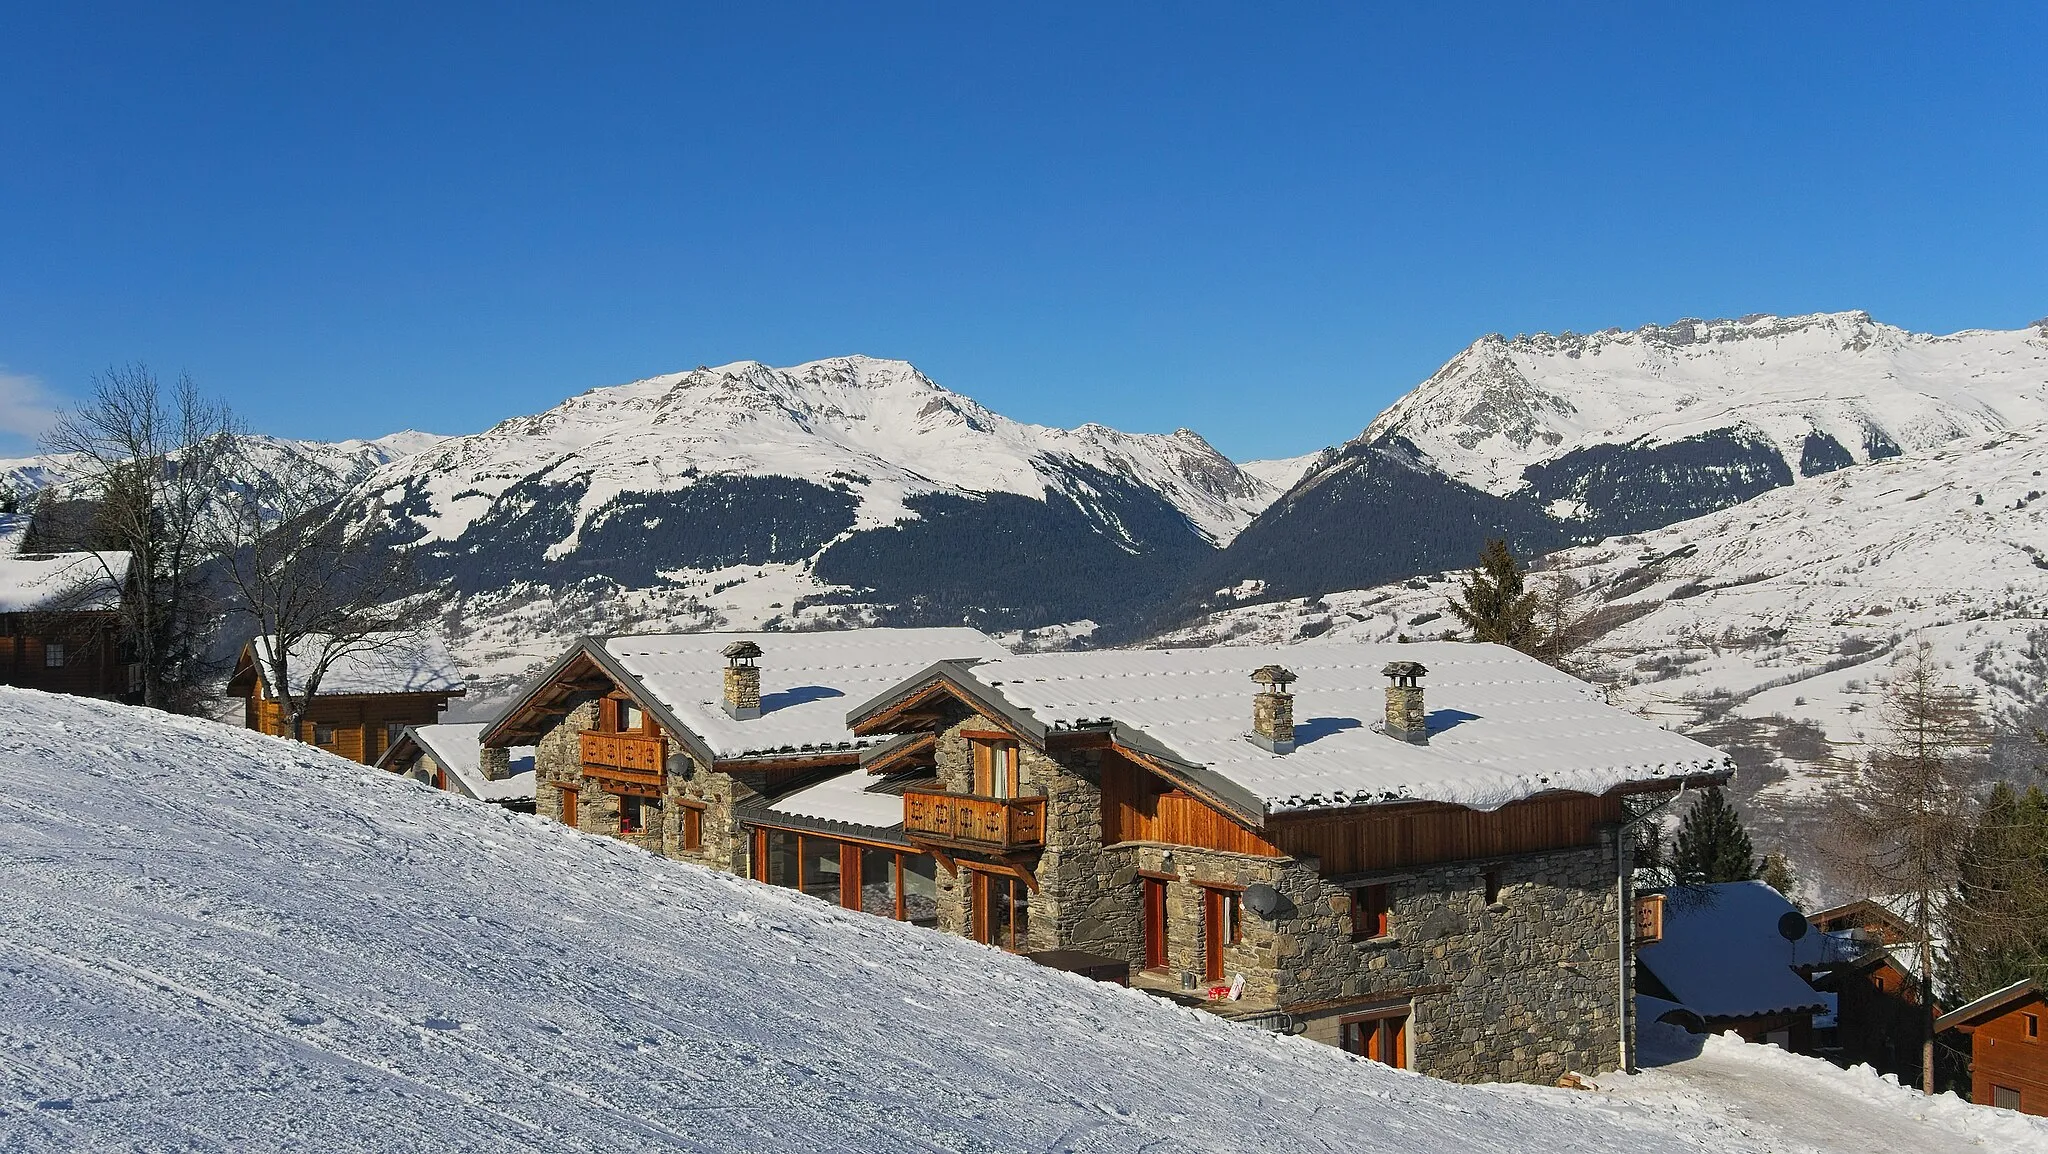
[
  {"x": 1725, "y": 958},
  {"x": 2008, "y": 1035},
  {"x": 1439, "y": 888},
  {"x": 364, "y": 702},
  {"x": 1865, "y": 920},
  {"x": 1878, "y": 1019},
  {"x": 60, "y": 620},
  {"x": 732, "y": 750},
  {"x": 449, "y": 757}
]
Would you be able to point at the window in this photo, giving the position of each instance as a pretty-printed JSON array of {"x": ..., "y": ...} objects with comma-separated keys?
[
  {"x": 1381, "y": 1036},
  {"x": 918, "y": 900},
  {"x": 878, "y": 890},
  {"x": 392, "y": 733},
  {"x": 775, "y": 862},
  {"x": 1490, "y": 881},
  {"x": 995, "y": 767},
  {"x": 632, "y": 815},
  {"x": 2005, "y": 1097},
  {"x": 1371, "y": 913},
  {"x": 1155, "y": 922},
  {"x": 2031, "y": 1026},
  {"x": 693, "y": 827},
  {"x": 818, "y": 859},
  {"x": 632, "y": 719},
  {"x": 53, "y": 655},
  {"x": 323, "y": 735},
  {"x": 1001, "y": 910}
]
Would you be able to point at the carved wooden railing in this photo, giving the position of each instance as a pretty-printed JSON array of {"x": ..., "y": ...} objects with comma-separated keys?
[
  {"x": 966, "y": 819},
  {"x": 627, "y": 758}
]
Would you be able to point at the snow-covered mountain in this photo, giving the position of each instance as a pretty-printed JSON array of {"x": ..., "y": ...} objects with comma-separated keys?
[
  {"x": 1769, "y": 628},
  {"x": 849, "y": 489},
  {"x": 253, "y": 945},
  {"x": 1550, "y": 440},
  {"x": 349, "y": 461}
]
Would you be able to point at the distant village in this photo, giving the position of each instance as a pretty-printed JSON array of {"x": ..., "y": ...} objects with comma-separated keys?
[{"x": 1448, "y": 857}]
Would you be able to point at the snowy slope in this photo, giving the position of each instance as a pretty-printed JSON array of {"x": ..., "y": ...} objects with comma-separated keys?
[
  {"x": 1870, "y": 388},
  {"x": 1283, "y": 473},
  {"x": 217, "y": 940},
  {"x": 350, "y": 461}
]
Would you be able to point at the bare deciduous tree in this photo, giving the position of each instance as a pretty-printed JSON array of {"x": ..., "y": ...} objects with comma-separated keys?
[
  {"x": 150, "y": 461},
  {"x": 317, "y": 586},
  {"x": 1900, "y": 828}
]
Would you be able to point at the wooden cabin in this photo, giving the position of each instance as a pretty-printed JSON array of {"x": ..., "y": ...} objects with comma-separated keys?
[
  {"x": 450, "y": 757},
  {"x": 1865, "y": 920},
  {"x": 2008, "y": 1037},
  {"x": 365, "y": 701},
  {"x": 1723, "y": 957},
  {"x": 60, "y": 620},
  {"x": 1878, "y": 1019},
  {"x": 1407, "y": 886}
]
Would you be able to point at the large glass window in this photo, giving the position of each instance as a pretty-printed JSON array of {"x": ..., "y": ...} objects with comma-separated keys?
[
  {"x": 1002, "y": 911},
  {"x": 920, "y": 889},
  {"x": 821, "y": 868},
  {"x": 878, "y": 882},
  {"x": 781, "y": 864}
]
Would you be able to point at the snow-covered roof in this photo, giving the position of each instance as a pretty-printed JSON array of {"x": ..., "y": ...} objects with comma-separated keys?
[
  {"x": 1722, "y": 956},
  {"x": 43, "y": 582},
  {"x": 808, "y": 680},
  {"x": 384, "y": 663},
  {"x": 1502, "y": 726},
  {"x": 456, "y": 748},
  {"x": 854, "y": 798}
]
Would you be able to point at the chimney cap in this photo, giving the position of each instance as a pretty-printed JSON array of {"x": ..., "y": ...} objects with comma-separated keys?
[
  {"x": 741, "y": 651},
  {"x": 1274, "y": 677},
  {"x": 1404, "y": 672}
]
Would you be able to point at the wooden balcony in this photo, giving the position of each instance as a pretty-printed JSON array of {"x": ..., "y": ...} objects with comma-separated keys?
[
  {"x": 995, "y": 824},
  {"x": 625, "y": 762}
]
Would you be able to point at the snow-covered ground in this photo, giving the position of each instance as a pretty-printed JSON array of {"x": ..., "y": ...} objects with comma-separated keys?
[{"x": 211, "y": 939}]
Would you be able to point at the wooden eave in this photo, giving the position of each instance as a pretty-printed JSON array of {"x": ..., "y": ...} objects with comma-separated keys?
[
  {"x": 901, "y": 754},
  {"x": 402, "y": 753},
  {"x": 586, "y": 668},
  {"x": 1992, "y": 1005}
]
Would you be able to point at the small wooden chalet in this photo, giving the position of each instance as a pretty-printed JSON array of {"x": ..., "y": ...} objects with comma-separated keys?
[
  {"x": 2008, "y": 1037},
  {"x": 732, "y": 750},
  {"x": 449, "y": 757},
  {"x": 1878, "y": 1019},
  {"x": 60, "y": 620},
  {"x": 1865, "y": 920},
  {"x": 1724, "y": 958},
  {"x": 364, "y": 702}
]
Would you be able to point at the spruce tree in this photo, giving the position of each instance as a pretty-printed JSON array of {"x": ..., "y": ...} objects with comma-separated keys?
[
  {"x": 1995, "y": 920},
  {"x": 1494, "y": 605},
  {"x": 1712, "y": 846},
  {"x": 1777, "y": 874}
]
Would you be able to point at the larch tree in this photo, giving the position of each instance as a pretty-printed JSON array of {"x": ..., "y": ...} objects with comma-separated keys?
[
  {"x": 1711, "y": 845},
  {"x": 1899, "y": 829},
  {"x": 147, "y": 462},
  {"x": 1494, "y": 604}
]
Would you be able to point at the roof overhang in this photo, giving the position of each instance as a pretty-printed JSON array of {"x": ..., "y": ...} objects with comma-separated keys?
[
  {"x": 586, "y": 667},
  {"x": 1990, "y": 1005}
]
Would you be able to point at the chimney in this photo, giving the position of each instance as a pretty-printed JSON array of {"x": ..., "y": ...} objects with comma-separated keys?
[
  {"x": 494, "y": 762},
  {"x": 1405, "y": 716},
  {"x": 1273, "y": 710},
  {"x": 742, "y": 680}
]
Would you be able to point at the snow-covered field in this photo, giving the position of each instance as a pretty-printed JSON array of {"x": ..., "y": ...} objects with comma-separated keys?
[{"x": 211, "y": 939}]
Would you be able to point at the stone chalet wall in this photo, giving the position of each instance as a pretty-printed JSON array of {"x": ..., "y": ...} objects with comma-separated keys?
[
  {"x": 724, "y": 845},
  {"x": 558, "y": 761}
]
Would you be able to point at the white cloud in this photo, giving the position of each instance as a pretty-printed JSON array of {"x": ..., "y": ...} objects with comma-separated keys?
[{"x": 27, "y": 411}]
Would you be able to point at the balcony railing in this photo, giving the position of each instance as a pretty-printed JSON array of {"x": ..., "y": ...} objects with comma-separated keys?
[
  {"x": 996, "y": 823},
  {"x": 627, "y": 758}
]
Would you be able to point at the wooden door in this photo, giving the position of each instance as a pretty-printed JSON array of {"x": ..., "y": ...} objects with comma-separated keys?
[
  {"x": 1212, "y": 935},
  {"x": 1155, "y": 923},
  {"x": 569, "y": 808},
  {"x": 1381, "y": 1038}
]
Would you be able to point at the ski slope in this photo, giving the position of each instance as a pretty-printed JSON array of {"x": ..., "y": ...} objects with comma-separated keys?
[{"x": 211, "y": 939}]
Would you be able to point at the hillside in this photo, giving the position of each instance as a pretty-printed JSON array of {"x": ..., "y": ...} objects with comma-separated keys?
[
  {"x": 842, "y": 491},
  {"x": 1558, "y": 440},
  {"x": 1768, "y": 628},
  {"x": 215, "y": 940}
]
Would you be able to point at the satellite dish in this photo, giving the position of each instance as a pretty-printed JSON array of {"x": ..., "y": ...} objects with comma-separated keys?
[
  {"x": 1792, "y": 926},
  {"x": 1263, "y": 899}
]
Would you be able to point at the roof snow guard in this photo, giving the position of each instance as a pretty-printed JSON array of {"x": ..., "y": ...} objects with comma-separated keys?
[{"x": 1505, "y": 726}]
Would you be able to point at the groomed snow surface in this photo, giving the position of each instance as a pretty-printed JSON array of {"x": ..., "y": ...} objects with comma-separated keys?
[{"x": 211, "y": 939}]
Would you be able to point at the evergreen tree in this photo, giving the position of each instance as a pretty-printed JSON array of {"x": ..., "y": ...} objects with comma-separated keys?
[
  {"x": 1711, "y": 845},
  {"x": 1494, "y": 605},
  {"x": 1777, "y": 874},
  {"x": 1995, "y": 920}
]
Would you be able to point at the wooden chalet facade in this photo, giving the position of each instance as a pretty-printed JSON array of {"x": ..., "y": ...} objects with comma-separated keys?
[
  {"x": 60, "y": 622},
  {"x": 1879, "y": 1020},
  {"x": 1414, "y": 929},
  {"x": 2007, "y": 1032},
  {"x": 364, "y": 703}
]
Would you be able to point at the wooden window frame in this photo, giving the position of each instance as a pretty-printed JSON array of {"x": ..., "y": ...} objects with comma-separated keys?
[
  {"x": 981, "y": 885},
  {"x": 1153, "y": 912},
  {"x": 333, "y": 734},
  {"x": 1221, "y": 911},
  {"x": 693, "y": 825},
  {"x": 571, "y": 795},
  {"x": 53, "y": 655},
  {"x": 983, "y": 747},
  {"x": 1378, "y": 1029},
  {"x": 2030, "y": 1027},
  {"x": 1372, "y": 912}
]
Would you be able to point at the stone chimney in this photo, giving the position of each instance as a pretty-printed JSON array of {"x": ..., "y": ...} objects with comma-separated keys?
[
  {"x": 494, "y": 762},
  {"x": 1273, "y": 710},
  {"x": 1406, "y": 718},
  {"x": 742, "y": 680}
]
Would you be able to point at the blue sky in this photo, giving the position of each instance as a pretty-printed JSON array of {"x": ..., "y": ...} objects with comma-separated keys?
[{"x": 1263, "y": 223}]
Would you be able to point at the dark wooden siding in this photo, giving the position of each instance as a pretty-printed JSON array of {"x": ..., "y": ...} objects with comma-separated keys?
[
  {"x": 1362, "y": 840},
  {"x": 361, "y": 724},
  {"x": 2003, "y": 1055},
  {"x": 1137, "y": 805}
]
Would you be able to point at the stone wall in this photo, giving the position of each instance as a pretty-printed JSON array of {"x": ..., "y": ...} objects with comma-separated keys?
[
  {"x": 558, "y": 761},
  {"x": 724, "y": 845}
]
